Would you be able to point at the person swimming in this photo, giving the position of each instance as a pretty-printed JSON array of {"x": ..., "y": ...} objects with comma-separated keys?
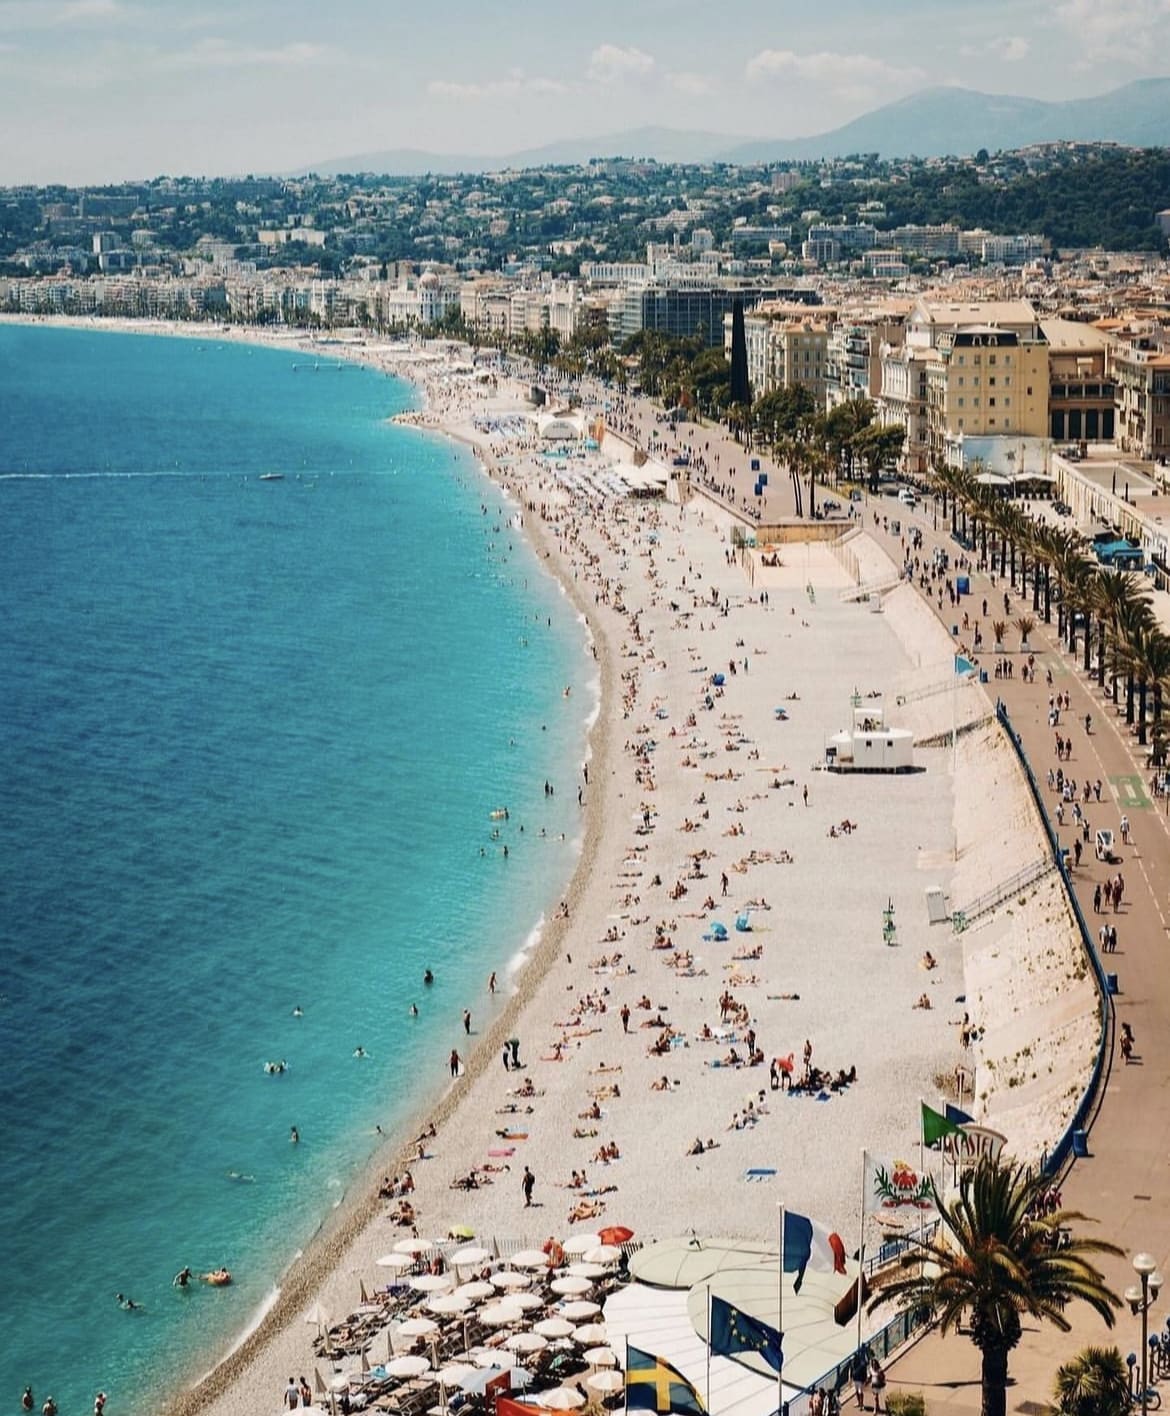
[
  {"x": 298, "y": 1011},
  {"x": 182, "y": 1278},
  {"x": 128, "y": 1305},
  {"x": 360, "y": 1051},
  {"x": 414, "y": 1010},
  {"x": 428, "y": 978}
]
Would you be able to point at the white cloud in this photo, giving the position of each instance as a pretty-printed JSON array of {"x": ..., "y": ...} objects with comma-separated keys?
[
  {"x": 222, "y": 54},
  {"x": 1134, "y": 31},
  {"x": 511, "y": 87},
  {"x": 58, "y": 14},
  {"x": 611, "y": 63},
  {"x": 1011, "y": 49},
  {"x": 843, "y": 73},
  {"x": 697, "y": 85}
]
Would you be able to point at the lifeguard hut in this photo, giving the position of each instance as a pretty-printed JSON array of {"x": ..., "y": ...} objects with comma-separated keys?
[{"x": 868, "y": 745}]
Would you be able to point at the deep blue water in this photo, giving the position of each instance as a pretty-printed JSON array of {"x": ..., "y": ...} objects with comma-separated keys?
[{"x": 250, "y": 734}]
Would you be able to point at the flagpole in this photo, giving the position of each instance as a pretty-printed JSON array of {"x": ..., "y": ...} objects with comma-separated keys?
[
  {"x": 708, "y": 1347},
  {"x": 626, "y": 1390},
  {"x": 780, "y": 1319},
  {"x": 921, "y": 1171},
  {"x": 861, "y": 1253}
]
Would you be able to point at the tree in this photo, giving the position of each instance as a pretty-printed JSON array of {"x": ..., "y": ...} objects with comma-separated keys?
[
  {"x": 741, "y": 391},
  {"x": 995, "y": 1257},
  {"x": 878, "y": 446},
  {"x": 1093, "y": 1383}
]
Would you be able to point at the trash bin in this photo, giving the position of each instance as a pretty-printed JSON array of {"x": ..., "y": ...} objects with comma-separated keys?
[
  {"x": 1080, "y": 1144},
  {"x": 962, "y": 584},
  {"x": 982, "y": 675},
  {"x": 1110, "y": 983},
  {"x": 954, "y": 631}
]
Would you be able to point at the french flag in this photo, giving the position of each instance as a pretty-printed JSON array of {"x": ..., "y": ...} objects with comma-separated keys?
[{"x": 808, "y": 1244}]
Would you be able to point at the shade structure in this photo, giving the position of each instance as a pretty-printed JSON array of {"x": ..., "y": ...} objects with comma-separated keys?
[
  {"x": 530, "y": 1259},
  {"x": 413, "y": 1246},
  {"x": 520, "y": 1377},
  {"x": 470, "y": 1254},
  {"x": 451, "y": 1376},
  {"x": 580, "y": 1308},
  {"x": 591, "y": 1333},
  {"x": 603, "y": 1254},
  {"x": 553, "y": 1327},
  {"x": 562, "y": 1399},
  {"x": 570, "y": 1285},
  {"x": 605, "y": 1382},
  {"x": 400, "y": 1262},
  {"x": 526, "y": 1342},
  {"x": 501, "y": 1314},
  {"x": 477, "y": 1288},
  {"x": 339, "y": 1382},
  {"x": 418, "y": 1327},
  {"x": 584, "y": 1269},
  {"x": 511, "y": 1278},
  {"x": 600, "y": 1357},
  {"x": 432, "y": 1283},
  {"x": 408, "y": 1366},
  {"x": 317, "y": 1316},
  {"x": 526, "y": 1302},
  {"x": 581, "y": 1243},
  {"x": 448, "y": 1304},
  {"x": 616, "y": 1234}
]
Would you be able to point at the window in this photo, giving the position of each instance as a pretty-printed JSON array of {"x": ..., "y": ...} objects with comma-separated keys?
[
  {"x": 1007, "y": 383},
  {"x": 991, "y": 381},
  {"x": 979, "y": 358},
  {"x": 962, "y": 402},
  {"x": 1007, "y": 403},
  {"x": 991, "y": 358},
  {"x": 962, "y": 359},
  {"x": 991, "y": 402},
  {"x": 960, "y": 422},
  {"x": 1029, "y": 390}
]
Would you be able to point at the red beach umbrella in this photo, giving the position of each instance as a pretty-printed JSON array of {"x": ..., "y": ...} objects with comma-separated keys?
[{"x": 615, "y": 1234}]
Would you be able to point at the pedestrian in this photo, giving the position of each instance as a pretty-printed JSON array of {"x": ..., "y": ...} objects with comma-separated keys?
[
  {"x": 1113, "y": 939},
  {"x": 528, "y": 1184},
  {"x": 805, "y": 794},
  {"x": 1097, "y": 899},
  {"x": 625, "y": 1017},
  {"x": 492, "y": 983},
  {"x": 859, "y": 1375},
  {"x": 1125, "y": 830},
  {"x": 454, "y": 1060},
  {"x": 306, "y": 1394},
  {"x": 292, "y": 1396},
  {"x": 467, "y": 1021},
  {"x": 1077, "y": 849},
  {"x": 507, "y": 1058},
  {"x": 877, "y": 1380},
  {"x": 1103, "y": 938}
]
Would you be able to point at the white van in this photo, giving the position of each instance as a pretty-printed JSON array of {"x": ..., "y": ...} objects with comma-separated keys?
[{"x": 908, "y": 497}]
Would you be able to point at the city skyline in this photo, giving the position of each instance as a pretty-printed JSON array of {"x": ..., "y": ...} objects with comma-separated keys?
[{"x": 108, "y": 90}]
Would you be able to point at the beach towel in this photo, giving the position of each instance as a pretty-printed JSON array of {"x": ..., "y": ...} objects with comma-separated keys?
[
  {"x": 505, "y": 1151},
  {"x": 515, "y": 1136},
  {"x": 759, "y": 1173}
]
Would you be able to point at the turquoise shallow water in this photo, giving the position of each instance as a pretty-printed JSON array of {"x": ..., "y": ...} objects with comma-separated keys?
[{"x": 250, "y": 734}]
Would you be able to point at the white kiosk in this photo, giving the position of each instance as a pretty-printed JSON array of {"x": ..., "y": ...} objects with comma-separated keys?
[{"x": 869, "y": 745}]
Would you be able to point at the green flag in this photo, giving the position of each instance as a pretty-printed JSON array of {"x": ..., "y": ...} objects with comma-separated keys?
[{"x": 936, "y": 1127}]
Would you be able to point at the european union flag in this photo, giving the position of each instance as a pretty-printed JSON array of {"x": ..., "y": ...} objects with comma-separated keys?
[
  {"x": 654, "y": 1385},
  {"x": 733, "y": 1331}
]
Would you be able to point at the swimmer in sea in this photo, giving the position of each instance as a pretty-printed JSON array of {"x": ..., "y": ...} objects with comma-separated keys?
[
  {"x": 428, "y": 978},
  {"x": 360, "y": 1051},
  {"x": 294, "y": 1135},
  {"x": 181, "y": 1279},
  {"x": 128, "y": 1305},
  {"x": 298, "y": 1012},
  {"x": 243, "y": 1179},
  {"x": 414, "y": 1010}
]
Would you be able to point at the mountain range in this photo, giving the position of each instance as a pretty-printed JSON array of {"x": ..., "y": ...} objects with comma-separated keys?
[{"x": 934, "y": 122}]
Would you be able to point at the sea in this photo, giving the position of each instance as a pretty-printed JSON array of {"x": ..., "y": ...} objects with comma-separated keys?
[{"x": 268, "y": 664}]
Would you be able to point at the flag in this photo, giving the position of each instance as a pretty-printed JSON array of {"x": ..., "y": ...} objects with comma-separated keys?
[
  {"x": 654, "y": 1385},
  {"x": 505, "y": 1406},
  {"x": 895, "y": 1185},
  {"x": 805, "y": 1242},
  {"x": 935, "y": 1128},
  {"x": 960, "y": 1118},
  {"x": 733, "y": 1331}
]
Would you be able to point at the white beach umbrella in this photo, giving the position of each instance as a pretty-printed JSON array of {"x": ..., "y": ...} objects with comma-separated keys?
[
  {"x": 477, "y": 1288},
  {"x": 570, "y": 1285},
  {"x": 580, "y": 1308},
  {"x": 526, "y": 1302},
  {"x": 458, "y": 1371},
  {"x": 418, "y": 1246},
  {"x": 447, "y": 1304},
  {"x": 396, "y": 1261},
  {"x": 470, "y": 1254},
  {"x": 584, "y": 1269},
  {"x": 605, "y": 1382},
  {"x": 500, "y": 1314},
  {"x": 601, "y": 1357},
  {"x": 553, "y": 1327},
  {"x": 317, "y": 1316},
  {"x": 590, "y": 1333},
  {"x": 526, "y": 1342},
  {"x": 581, "y": 1243},
  {"x": 562, "y": 1399},
  {"x": 417, "y": 1327},
  {"x": 509, "y": 1278},
  {"x": 408, "y": 1366},
  {"x": 603, "y": 1254},
  {"x": 529, "y": 1259},
  {"x": 432, "y": 1283}
]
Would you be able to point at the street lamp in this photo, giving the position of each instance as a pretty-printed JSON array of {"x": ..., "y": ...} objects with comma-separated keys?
[{"x": 1140, "y": 1300}]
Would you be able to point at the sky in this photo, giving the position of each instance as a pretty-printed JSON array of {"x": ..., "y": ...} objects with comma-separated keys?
[{"x": 111, "y": 90}]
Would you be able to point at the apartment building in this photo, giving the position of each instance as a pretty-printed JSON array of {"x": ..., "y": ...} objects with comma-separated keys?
[
  {"x": 1142, "y": 374},
  {"x": 1081, "y": 390}
]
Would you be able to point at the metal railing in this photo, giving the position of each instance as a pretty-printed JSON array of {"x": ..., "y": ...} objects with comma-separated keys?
[
  {"x": 985, "y": 903},
  {"x": 1055, "y": 1160},
  {"x": 899, "y": 1330}
]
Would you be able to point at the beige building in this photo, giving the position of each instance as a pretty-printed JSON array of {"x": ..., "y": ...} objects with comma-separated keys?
[
  {"x": 786, "y": 344},
  {"x": 1142, "y": 373},
  {"x": 1081, "y": 390}
]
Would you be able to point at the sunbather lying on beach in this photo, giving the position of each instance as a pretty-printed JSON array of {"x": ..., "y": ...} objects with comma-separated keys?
[
  {"x": 591, "y": 1113},
  {"x": 586, "y": 1209}
]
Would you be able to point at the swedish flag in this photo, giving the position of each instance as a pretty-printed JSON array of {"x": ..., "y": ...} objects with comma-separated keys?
[
  {"x": 733, "y": 1331},
  {"x": 654, "y": 1385}
]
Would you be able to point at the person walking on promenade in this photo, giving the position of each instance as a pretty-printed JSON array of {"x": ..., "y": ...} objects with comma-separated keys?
[
  {"x": 1097, "y": 898},
  {"x": 859, "y": 1376}
]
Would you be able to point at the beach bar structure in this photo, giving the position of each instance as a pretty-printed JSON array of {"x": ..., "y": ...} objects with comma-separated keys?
[{"x": 868, "y": 745}]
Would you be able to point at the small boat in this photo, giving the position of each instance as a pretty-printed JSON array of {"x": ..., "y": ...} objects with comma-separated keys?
[{"x": 272, "y": 476}]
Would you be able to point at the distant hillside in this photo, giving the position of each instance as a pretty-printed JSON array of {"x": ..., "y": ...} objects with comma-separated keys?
[
  {"x": 937, "y": 122},
  {"x": 942, "y": 122}
]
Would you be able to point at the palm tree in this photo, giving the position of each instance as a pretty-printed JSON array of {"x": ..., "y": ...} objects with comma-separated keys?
[
  {"x": 1093, "y": 1383},
  {"x": 1148, "y": 655},
  {"x": 992, "y": 1256},
  {"x": 1025, "y": 624},
  {"x": 1117, "y": 594}
]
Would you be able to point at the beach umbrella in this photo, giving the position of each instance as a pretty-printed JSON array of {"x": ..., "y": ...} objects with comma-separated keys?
[
  {"x": 413, "y": 1246},
  {"x": 396, "y": 1261},
  {"x": 553, "y": 1327},
  {"x": 417, "y": 1327},
  {"x": 500, "y": 1314},
  {"x": 447, "y": 1304},
  {"x": 470, "y": 1254},
  {"x": 605, "y": 1382},
  {"x": 590, "y": 1333},
  {"x": 570, "y": 1285},
  {"x": 408, "y": 1366},
  {"x": 317, "y": 1316},
  {"x": 562, "y": 1399},
  {"x": 477, "y": 1288},
  {"x": 526, "y": 1342},
  {"x": 526, "y": 1302},
  {"x": 432, "y": 1283},
  {"x": 529, "y": 1259},
  {"x": 451, "y": 1376},
  {"x": 600, "y": 1357},
  {"x": 581, "y": 1243},
  {"x": 461, "y": 1231},
  {"x": 580, "y": 1308},
  {"x": 365, "y": 1363},
  {"x": 520, "y": 1377},
  {"x": 604, "y": 1254},
  {"x": 616, "y": 1234},
  {"x": 584, "y": 1269},
  {"x": 509, "y": 1278}
]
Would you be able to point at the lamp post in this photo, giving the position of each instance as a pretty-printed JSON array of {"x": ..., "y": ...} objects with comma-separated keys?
[{"x": 1140, "y": 1300}]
